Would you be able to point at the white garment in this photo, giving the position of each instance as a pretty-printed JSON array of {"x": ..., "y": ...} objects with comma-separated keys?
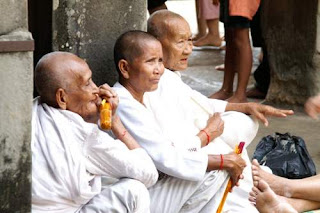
[
  {"x": 69, "y": 156},
  {"x": 126, "y": 195},
  {"x": 167, "y": 126},
  {"x": 174, "y": 98},
  {"x": 168, "y": 158}
]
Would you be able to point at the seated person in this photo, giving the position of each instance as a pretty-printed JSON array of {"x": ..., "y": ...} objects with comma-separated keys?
[
  {"x": 192, "y": 178},
  {"x": 70, "y": 154},
  {"x": 272, "y": 193}
]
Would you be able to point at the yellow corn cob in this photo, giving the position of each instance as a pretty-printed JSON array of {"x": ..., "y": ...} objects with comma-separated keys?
[{"x": 105, "y": 115}]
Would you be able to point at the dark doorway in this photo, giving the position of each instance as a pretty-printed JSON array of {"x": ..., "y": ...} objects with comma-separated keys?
[{"x": 40, "y": 25}]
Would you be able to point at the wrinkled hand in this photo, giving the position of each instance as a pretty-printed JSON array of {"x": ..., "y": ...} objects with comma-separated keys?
[
  {"x": 234, "y": 165},
  {"x": 312, "y": 106},
  {"x": 215, "y": 2},
  {"x": 106, "y": 92},
  {"x": 215, "y": 126},
  {"x": 261, "y": 111}
]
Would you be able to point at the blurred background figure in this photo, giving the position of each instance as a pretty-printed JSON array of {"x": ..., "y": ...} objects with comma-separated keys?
[
  {"x": 208, "y": 23},
  {"x": 236, "y": 16}
]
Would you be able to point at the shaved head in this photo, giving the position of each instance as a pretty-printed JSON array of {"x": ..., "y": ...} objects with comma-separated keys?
[
  {"x": 129, "y": 46},
  {"x": 53, "y": 72},
  {"x": 174, "y": 33},
  {"x": 159, "y": 23}
]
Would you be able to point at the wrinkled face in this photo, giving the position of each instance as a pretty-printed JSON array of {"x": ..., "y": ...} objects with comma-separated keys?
[
  {"x": 177, "y": 45},
  {"x": 82, "y": 92},
  {"x": 145, "y": 70}
]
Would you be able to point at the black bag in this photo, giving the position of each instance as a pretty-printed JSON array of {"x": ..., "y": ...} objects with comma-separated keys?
[{"x": 285, "y": 155}]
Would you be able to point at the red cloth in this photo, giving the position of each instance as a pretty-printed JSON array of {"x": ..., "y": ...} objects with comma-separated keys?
[{"x": 244, "y": 8}]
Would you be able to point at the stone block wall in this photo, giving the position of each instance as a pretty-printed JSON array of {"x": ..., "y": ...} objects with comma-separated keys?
[{"x": 16, "y": 80}]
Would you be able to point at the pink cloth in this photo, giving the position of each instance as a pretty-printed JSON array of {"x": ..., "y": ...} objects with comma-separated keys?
[
  {"x": 208, "y": 10},
  {"x": 244, "y": 8}
]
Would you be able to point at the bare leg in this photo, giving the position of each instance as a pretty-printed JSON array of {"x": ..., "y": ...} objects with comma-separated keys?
[
  {"x": 212, "y": 38},
  {"x": 201, "y": 22},
  {"x": 243, "y": 61},
  {"x": 226, "y": 90},
  {"x": 307, "y": 188},
  {"x": 267, "y": 201}
]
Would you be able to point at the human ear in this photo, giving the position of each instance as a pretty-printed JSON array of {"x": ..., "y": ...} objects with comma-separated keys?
[
  {"x": 61, "y": 98},
  {"x": 124, "y": 68}
]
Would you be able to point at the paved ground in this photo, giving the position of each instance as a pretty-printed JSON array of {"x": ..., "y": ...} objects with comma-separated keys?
[{"x": 202, "y": 76}]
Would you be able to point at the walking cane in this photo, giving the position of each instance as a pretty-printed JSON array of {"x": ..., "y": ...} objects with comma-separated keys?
[{"x": 238, "y": 150}]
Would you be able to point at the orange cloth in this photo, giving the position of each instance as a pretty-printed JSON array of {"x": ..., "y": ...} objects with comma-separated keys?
[{"x": 244, "y": 8}]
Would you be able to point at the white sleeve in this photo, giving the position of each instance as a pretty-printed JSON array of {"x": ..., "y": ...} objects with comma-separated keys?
[
  {"x": 178, "y": 163},
  {"x": 214, "y": 105},
  {"x": 109, "y": 157}
]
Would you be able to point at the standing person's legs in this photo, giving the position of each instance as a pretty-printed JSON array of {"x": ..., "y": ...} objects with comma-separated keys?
[
  {"x": 243, "y": 59},
  {"x": 226, "y": 90},
  {"x": 201, "y": 22},
  {"x": 173, "y": 195},
  {"x": 210, "y": 13},
  {"x": 238, "y": 55},
  {"x": 126, "y": 195}
]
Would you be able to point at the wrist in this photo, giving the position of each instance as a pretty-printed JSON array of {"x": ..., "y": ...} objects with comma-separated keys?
[{"x": 207, "y": 136}]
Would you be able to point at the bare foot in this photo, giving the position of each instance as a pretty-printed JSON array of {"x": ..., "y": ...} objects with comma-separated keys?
[
  {"x": 220, "y": 67},
  {"x": 208, "y": 40},
  {"x": 221, "y": 94},
  {"x": 237, "y": 99},
  {"x": 267, "y": 201},
  {"x": 197, "y": 36},
  {"x": 278, "y": 184},
  {"x": 255, "y": 93}
]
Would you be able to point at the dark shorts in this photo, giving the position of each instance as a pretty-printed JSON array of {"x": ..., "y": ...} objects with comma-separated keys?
[
  {"x": 155, "y": 3},
  {"x": 231, "y": 21}
]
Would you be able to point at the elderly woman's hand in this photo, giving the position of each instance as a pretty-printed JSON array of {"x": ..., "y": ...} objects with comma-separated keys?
[
  {"x": 261, "y": 111},
  {"x": 312, "y": 106},
  {"x": 106, "y": 92}
]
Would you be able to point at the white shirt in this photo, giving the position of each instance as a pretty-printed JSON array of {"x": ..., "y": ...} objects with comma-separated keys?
[
  {"x": 191, "y": 109},
  {"x": 69, "y": 156}
]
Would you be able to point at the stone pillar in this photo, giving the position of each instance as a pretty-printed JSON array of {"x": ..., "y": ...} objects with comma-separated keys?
[
  {"x": 290, "y": 31},
  {"x": 16, "y": 80},
  {"x": 89, "y": 29}
]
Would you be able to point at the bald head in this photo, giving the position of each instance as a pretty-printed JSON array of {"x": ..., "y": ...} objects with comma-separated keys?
[
  {"x": 160, "y": 23},
  {"x": 129, "y": 46},
  {"x": 174, "y": 34},
  {"x": 53, "y": 72}
]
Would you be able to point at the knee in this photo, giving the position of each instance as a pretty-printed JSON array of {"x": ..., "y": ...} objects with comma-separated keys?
[
  {"x": 138, "y": 193},
  {"x": 238, "y": 127}
]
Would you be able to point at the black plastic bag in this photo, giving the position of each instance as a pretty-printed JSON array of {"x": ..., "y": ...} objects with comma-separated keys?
[{"x": 286, "y": 155}]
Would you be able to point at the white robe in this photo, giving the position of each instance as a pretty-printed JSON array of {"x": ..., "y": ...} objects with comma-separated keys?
[
  {"x": 69, "y": 156},
  {"x": 167, "y": 126}
]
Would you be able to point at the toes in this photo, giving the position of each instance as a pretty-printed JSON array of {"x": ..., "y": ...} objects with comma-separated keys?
[
  {"x": 255, "y": 163},
  {"x": 255, "y": 190},
  {"x": 252, "y": 199},
  {"x": 263, "y": 186}
]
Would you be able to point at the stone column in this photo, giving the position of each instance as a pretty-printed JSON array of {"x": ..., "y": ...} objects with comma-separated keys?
[
  {"x": 16, "y": 80},
  {"x": 290, "y": 31},
  {"x": 89, "y": 29}
]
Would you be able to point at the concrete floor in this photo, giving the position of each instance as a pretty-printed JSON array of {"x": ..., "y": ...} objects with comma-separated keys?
[{"x": 202, "y": 76}]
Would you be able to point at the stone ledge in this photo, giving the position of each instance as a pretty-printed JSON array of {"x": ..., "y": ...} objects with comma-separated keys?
[{"x": 18, "y": 40}]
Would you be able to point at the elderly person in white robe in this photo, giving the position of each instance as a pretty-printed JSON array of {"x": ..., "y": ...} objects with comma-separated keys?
[
  {"x": 192, "y": 182},
  {"x": 70, "y": 154}
]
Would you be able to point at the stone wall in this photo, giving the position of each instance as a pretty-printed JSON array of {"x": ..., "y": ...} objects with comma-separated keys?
[
  {"x": 290, "y": 31},
  {"x": 15, "y": 107},
  {"x": 89, "y": 29}
]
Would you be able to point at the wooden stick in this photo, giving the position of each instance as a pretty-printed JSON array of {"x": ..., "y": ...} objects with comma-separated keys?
[{"x": 238, "y": 150}]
